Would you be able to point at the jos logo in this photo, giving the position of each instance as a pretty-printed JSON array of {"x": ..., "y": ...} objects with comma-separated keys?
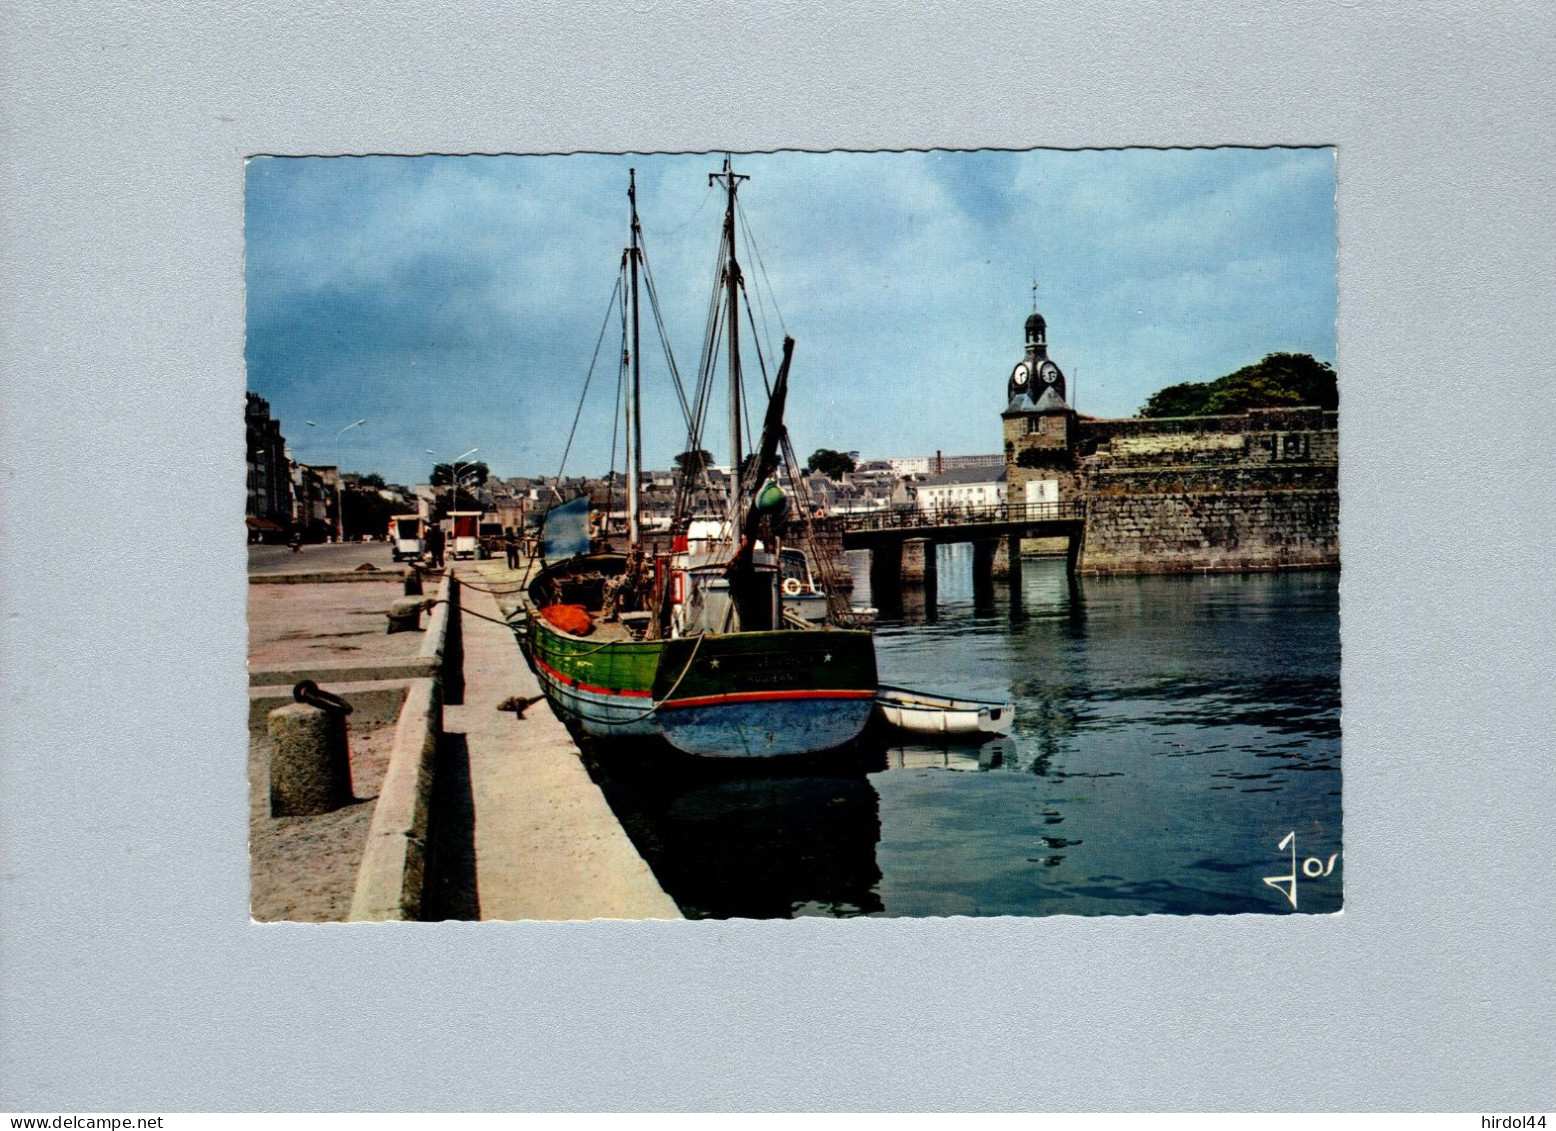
[{"x": 1314, "y": 867}]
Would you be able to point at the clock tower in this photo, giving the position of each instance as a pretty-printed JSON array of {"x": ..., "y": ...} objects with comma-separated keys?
[
  {"x": 1040, "y": 428},
  {"x": 1036, "y": 373}
]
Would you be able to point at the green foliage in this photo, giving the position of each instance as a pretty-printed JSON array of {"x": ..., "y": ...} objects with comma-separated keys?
[
  {"x": 1279, "y": 380},
  {"x": 694, "y": 463},
  {"x": 474, "y": 474},
  {"x": 371, "y": 479},
  {"x": 463, "y": 501},
  {"x": 364, "y": 512},
  {"x": 834, "y": 465},
  {"x": 1187, "y": 399}
]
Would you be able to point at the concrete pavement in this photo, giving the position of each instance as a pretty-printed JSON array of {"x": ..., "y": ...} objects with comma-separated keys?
[
  {"x": 546, "y": 843},
  {"x": 321, "y": 557}
]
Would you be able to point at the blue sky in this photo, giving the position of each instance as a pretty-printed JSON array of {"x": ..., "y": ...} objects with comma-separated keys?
[{"x": 455, "y": 302}]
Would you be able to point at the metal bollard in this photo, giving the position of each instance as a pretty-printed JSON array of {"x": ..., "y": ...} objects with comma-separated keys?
[
  {"x": 413, "y": 582},
  {"x": 310, "y": 762}
]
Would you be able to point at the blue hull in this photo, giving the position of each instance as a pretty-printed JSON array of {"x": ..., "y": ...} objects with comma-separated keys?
[
  {"x": 600, "y": 715},
  {"x": 764, "y": 729}
]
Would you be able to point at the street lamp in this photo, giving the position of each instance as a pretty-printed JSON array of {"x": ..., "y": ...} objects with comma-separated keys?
[
  {"x": 453, "y": 478},
  {"x": 347, "y": 428},
  {"x": 340, "y": 532}
]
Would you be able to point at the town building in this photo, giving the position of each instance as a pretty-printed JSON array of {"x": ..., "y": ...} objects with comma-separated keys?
[
  {"x": 939, "y": 463},
  {"x": 315, "y": 500},
  {"x": 967, "y": 488},
  {"x": 268, "y": 508}
]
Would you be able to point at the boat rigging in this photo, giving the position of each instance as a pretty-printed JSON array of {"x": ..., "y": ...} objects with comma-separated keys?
[{"x": 693, "y": 640}]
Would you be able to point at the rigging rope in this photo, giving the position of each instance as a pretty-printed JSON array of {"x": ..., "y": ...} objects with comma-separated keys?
[
  {"x": 698, "y": 480},
  {"x": 760, "y": 360},
  {"x": 615, "y": 294},
  {"x": 621, "y": 380},
  {"x": 838, "y": 610},
  {"x": 766, "y": 333},
  {"x": 664, "y": 338},
  {"x": 761, "y": 267},
  {"x": 698, "y": 212}
]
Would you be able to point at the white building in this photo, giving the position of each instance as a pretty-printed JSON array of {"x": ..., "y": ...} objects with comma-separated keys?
[
  {"x": 969, "y": 488},
  {"x": 910, "y": 465}
]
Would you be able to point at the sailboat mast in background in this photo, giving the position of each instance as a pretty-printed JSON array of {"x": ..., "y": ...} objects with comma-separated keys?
[
  {"x": 635, "y": 401},
  {"x": 730, "y": 179}
]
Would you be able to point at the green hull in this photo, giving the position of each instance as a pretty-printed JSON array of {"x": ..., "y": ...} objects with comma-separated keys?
[
  {"x": 744, "y": 694},
  {"x": 607, "y": 689}
]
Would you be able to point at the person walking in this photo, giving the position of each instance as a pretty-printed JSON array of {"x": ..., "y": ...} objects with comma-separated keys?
[
  {"x": 435, "y": 546},
  {"x": 511, "y": 541}
]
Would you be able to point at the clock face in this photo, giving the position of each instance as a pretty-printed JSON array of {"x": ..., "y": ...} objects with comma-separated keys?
[
  {"x": 1019, "y": 376},
  {"x": 1050, "y": 373}
]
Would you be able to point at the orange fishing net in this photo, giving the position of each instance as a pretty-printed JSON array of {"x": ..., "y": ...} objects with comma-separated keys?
[{"x": 569, "y": 618}]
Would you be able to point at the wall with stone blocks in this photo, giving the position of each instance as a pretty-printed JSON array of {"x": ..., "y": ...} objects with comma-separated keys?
[
  {"x": 1251, "y": 492},
  {"x": 1226, "y": 532}
]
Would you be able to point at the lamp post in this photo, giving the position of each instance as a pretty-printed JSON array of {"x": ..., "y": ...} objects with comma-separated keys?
[
  {"x": 453, "y": 478},
  {"x": 340, "y": 531}
]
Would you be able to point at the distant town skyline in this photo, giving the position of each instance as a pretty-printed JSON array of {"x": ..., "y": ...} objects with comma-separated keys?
[{"x": 453, "y": 303}]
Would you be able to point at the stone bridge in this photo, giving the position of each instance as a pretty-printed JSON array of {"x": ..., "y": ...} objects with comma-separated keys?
[{"x": 902, "y": 542}]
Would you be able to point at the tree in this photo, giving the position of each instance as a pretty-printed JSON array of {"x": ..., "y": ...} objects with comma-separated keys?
[
  {"x": 371, "y": 479},
  {"x": 1187, "y": 399},
  {"x": 834, "y": 465},
  {"x": 363, "y": 512},
  {"x": 1278, "y": 380},
  {"x": 463, "y": 501},
  {"x": 469, "y": 474},
  {"x": 694, "y": 463}
]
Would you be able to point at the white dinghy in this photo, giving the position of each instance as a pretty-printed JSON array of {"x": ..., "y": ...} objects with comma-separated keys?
[{"x": 920, "y": 712}]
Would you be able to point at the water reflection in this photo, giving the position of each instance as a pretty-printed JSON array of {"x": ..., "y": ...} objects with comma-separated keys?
[
  {"x": 758, "y": 841},
  {"x": 1169, "y": 732}
]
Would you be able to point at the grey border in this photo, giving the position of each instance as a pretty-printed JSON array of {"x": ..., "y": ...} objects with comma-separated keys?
[{"x": 134, "y": 981}]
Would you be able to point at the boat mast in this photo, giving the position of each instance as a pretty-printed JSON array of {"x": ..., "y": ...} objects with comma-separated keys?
[
  {"x": 635, "y": 401},
  {"x": 732, "y": 283}
]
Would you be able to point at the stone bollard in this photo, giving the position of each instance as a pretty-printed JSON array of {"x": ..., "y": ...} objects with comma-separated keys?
[
  {"x": 310, "y": 765},
  {"x": 405, "y": 615}
]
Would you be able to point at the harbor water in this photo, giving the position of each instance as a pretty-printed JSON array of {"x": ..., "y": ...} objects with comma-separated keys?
[{"x": 1176, "y": 750}]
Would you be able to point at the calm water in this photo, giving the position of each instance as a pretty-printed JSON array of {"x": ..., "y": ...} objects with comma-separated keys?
[{"x": 1170, "y": 734}]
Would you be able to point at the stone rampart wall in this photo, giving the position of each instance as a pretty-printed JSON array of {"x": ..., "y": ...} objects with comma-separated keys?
[
  {"x": 1230, "y": 531},
  {"x": 1251, "y": 492},
  {"x": 1092, "y": 434}
]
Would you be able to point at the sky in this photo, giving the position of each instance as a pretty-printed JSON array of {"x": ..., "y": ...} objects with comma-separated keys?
[{"x": 455, "y": 302}]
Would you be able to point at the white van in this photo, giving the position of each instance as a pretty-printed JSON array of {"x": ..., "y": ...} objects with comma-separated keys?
[{"x": 407, "y": 537}]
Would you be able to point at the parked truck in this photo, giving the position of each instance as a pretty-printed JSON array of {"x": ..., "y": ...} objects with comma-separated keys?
[
  {"x": 465, "y": 540},
  {"x": 407, "y": 537},
  {"x": 491, "y": 536}
]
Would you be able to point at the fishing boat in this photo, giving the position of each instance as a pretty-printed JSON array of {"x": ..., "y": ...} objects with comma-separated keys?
[
  {"x": 803, "y": 596},
  {"x": 920, "y": 712},
  {"x": 691, "y": 640}
]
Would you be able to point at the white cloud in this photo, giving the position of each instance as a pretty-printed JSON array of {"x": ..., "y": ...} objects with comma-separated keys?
[{"x": 903, "y": 276}]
